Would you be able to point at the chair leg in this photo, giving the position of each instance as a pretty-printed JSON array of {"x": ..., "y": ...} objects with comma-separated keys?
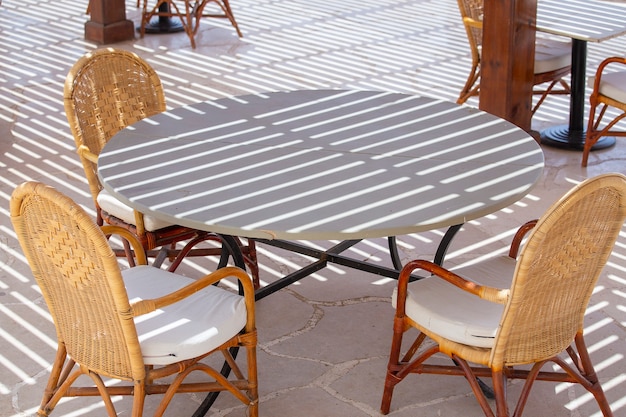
[
  {"x": 106, "y": 397},
  {"x": 139, "y": 396},
  {"x": 53, "y": 380},
  {"x": 543, "y": 97},
  {"x": 391, "y": 380},
  {"x": 589, "y": 374},
  {"x": 499, "y": 388},
  {"x": 226, "y": 10},
  {"x": 253, "y": 392},
  {"x": 528, "y": 383},
  {"x": 470, "y": 88},
  {"x": 590, "y": 138},
  {"x": 476, "y": 388},
  {"x": 594, "y": 133},
  {"x": 229, "y": 14},
  {"x": 189, "y": 24},
  {"x": 58, "y": 392}
]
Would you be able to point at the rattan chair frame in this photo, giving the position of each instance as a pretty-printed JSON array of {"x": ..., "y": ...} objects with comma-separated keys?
[
  {"x": 190, "y": 12},
  {"x": 105, "y": 91},
  {"x": 80, "y": 279},
  {"x": 472, "y": 15},
  {"x": 555, "y": 273},
  {"x": 598, "y": 126}
]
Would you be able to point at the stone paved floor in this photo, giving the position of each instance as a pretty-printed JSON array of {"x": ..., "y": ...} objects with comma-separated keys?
[{"x": 323, "y": 341}]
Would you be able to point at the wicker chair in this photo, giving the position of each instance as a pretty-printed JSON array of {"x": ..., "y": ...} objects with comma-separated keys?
[
  {"x": 105, "y": 91},
  {"x": 103, "y": 334},
  {"x": 189, "y": 12},
  {"x": 609, "y": 90},
  {"x": 523, "y": 310},
  {"x": 552, "y": 58}
]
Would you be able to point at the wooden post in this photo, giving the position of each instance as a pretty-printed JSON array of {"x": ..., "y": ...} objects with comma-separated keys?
[
  {"x": 508, "y": 58},
  {"x": 108, "y": 23}
]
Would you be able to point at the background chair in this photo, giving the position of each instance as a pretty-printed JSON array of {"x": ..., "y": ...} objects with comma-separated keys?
[
  {"x": 189, "y": 12},
  {"x": 552, "y": 58},
  {"x": 172, "y": 323},
  {"x": 515, "y": 312},
  {"x": 609, "y": 90},
  {"x": 105, "y": 91}
]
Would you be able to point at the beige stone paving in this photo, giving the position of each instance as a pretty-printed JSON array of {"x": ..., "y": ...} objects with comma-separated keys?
[{"x": 324, "y": 341}]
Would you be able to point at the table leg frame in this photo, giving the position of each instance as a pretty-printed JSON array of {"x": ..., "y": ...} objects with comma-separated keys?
[
  {"x": 332, "y": 255},
  {"x": 231, "y": 248}
]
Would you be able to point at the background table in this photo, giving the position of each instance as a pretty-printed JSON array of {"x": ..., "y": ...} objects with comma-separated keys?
[
  {"x": 583, "y": 21},
  {"x": 321, "y": 165}
]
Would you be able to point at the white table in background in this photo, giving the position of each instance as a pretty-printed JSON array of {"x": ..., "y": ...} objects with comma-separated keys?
[{"x": 583, "y": 21}]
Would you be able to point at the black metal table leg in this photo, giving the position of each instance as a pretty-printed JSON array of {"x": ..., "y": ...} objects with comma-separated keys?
[
  {"x": 164, "y": 24},
  {"x": 442, "y": 249},
  {"x": 572, "y": 136},
  {"x": 230, "y": 248}
]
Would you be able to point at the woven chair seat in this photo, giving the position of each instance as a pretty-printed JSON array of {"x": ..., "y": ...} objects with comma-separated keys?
[
  {"x": 551, "y": 55},
  {"x": 116, "y": 208},
  {"x": 612, "y": 85},
  {"x": 609, "y": 92},
  {"x": 444, "y": 309},
  {"x": 198, "y": 324}
]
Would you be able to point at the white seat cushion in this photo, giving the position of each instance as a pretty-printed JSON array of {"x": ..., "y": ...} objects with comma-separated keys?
[
  {"x": 448, "y": 311},
  {"x": 613, "y": 85},
  {"x": 189, "y": 328},
  {"x": 551, "y": 55},
  {"x": 116, "y": 208}
]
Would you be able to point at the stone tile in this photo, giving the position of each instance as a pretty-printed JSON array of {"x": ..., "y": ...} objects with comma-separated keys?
[{"x": 324, "y": 341}]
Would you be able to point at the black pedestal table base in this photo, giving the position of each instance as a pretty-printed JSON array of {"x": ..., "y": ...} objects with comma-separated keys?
[
  {"x": 561, "y": 137},
  {"x": 164, "y": 24}
]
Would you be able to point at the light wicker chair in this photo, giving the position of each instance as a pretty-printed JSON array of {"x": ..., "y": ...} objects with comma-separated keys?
[
  {"x": 105, "y": 91},
  {"x": 552, "y": 58},
  {"x": 524, "y": 311},
  {"x": 138, "y": 325},
  {"x": 190, "y": 12},
  {"x": 609, "y": 90}
]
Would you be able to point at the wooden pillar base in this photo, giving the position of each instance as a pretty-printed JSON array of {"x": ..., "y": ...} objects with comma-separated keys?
[
  {"x": 111, "y": 33},
  {"x": 108, "y": 23}
]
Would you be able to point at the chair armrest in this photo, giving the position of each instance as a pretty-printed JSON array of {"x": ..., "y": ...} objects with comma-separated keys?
[
  {"x": 147, "y": 306},
  {"x": 138, "y": 249},
  {"x": 496, "y": 295},
  {"x": 519, "y": 236},
  {"x": 473, "y": 23},
  {"x": 84, "y": 152}
]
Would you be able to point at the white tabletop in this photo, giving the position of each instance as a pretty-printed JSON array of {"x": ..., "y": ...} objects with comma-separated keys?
[
  {"x": 587, "y": 20},
  {"x": 321, "y": 165}
]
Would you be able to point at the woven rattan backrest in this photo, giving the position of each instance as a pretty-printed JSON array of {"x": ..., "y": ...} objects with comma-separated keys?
[
  {"x": 80, "y": 279},
  {"x": 105, "y": 91},
  {"x": 472, "y": 14},
  {"x": 557, "y": 271}
]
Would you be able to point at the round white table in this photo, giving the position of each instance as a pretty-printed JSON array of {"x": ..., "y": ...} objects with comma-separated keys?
[{"x": 321, "y": 165}]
